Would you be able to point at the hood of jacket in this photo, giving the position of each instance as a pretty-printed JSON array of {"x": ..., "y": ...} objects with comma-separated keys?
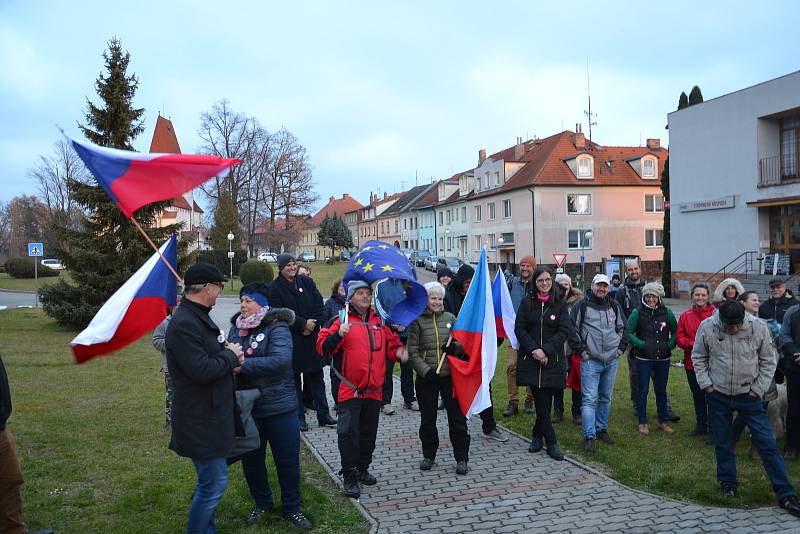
[{"x": 725, "y": 283}]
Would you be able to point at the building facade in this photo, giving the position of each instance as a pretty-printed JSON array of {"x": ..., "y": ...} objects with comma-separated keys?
[{"x": 309, "y": 240}]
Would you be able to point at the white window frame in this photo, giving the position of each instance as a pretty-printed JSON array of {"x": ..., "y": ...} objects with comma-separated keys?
[
  {"x": 477, "y": 243},
  {"x": 497, "y": 179},
  {"x": 582, "y": 233},
  {"x": 463, "y": 213},
  {"x": 653, "y": 175},
  {"x": 449, "y": 217},
  {"x": 589, "y": 195},
  {"x": 655, "y": 204},
  {"x": 477, "y": 213},
  {"x": 441, "y": 218},
  {"x": 654, "y": 233},
  {"x": 589, "y": 174},
  {"x": 491, "y": 211},
  {"x": 492, "y": 241},
  {"x": 507, "y": 208}
]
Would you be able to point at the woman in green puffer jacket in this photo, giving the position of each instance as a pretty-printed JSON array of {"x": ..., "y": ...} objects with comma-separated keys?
[{"x": 427, "y": 337}]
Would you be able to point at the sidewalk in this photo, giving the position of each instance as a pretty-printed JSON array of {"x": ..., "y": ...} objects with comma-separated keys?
[{"x": 511, "y": 490}]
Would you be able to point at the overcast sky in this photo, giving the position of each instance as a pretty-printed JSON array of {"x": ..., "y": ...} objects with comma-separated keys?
[{"x": 380, "y": 92}]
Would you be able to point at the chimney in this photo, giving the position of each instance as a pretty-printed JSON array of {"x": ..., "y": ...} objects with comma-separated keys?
[
  {"x": 580, "y": 141},
  {"x": 654, "y": 144},
  {"x": 345, "y": 195},
  {"x": 332, "y": 199},
  {"x": 481, "y": 156},
  {"x": 384, "y": 194},
  {"x": 519, "y": 150}
]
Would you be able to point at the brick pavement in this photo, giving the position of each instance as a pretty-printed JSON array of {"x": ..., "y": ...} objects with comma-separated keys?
[{"x": 511, "y": 490}]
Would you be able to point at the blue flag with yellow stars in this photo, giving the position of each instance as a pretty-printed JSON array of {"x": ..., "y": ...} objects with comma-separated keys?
[{"x": 377, "y": 261}]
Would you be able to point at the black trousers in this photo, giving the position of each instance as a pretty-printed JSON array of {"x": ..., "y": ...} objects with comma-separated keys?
[
  {"x": 317, "y": 384},
  {"x": 357, "y": 428},
  {"x": 428, "y": 398},
  {"x": 543, "y": 428},
  {"x": 488, "y": 424},
  {"x": 406, "y": 382},
  {"x": 793, "y": 411}
]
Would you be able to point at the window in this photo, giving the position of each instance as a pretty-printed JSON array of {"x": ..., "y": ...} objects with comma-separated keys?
[
  {"x": 497, "y": 178},
  {"x": 449, "y": 243},
  {"x": 477, "y": 213},
  {"x": 491, "y": 211},
  {"x": 491, "y": 240},
  {"x": 477, "y": 242},
  {"x": 487, "y": 180},
  {"x": 653, "y": 237},
  {"x": 405, "y": 224},
  {"x": 455, "y": 214},
  {"x": 508, "y": 238},
  {"x": 585, "y": 167},
  {"x": 441, "y": 244},
  {"x": 448, "y": 217},
  {"x": 464, "y": 213},
  {"x": 506, "y": 209},
  {"x": 396, "y": 225},
  {"x": 648, "y": 168},
  {"x": 441, "y": 218},
  {"x": 790, "y": 145},
  {"x": 579, "y": 204},
  {"x": 577, "y": 239},
  {"x": 653, "y": 204}
]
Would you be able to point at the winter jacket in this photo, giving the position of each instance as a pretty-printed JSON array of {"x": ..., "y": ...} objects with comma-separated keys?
[
  {"x": 776, "y": 309},
  {"x": 268, "y": 362},
  {"x": 734, "y": 363},
  {"x": 546, "y": 326},
  {"x": 159, "y": 340},
  {"x": 601, "y": 328},
  {"x": 720, "y": 290},
  {"x": 688, "y": 323},
  {"x": 453, "y": 299},
  {"x": 426, "y": 335},
  {"x": 302, "y": 297},
  {"x": 364, "y": 351},
  {"x": 5, "y": 397},
  {"x": 519, "y": 290},
  {"x": 651, "y": 331},
  {"x": 629, "y": 296},
  {"x": 203, "y": 407},
  {"x": 332, "y": 307},
  {"x": 789, "y": 340}
]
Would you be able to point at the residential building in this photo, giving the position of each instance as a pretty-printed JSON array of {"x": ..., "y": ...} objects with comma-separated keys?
[
  {"x": 351, "y": 219},
  {"x": 405, "y": 220},
  {"x": 453, "y": 217},
  {"x": 424, "y": 211},
  {"x": 368, "y": 222},
  {"x": 309, "y": 236},
  {"x": 735, "y": 183}
]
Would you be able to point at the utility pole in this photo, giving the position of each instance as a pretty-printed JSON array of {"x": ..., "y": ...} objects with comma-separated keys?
[{"x": 589, "y": 113}]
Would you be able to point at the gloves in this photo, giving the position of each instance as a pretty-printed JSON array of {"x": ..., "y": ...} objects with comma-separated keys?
[
  {"x": 431, "y": 377},
  {"x": 455, "y": 349}
]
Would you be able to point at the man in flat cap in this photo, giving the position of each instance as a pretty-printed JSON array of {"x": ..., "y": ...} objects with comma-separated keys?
[{"x": 201, "y": 366}]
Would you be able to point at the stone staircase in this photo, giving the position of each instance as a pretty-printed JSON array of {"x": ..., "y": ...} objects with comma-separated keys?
[{"x": 760, "y": 284}]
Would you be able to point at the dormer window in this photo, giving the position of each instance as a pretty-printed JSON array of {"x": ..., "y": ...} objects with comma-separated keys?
[
  {"x": 585, "y": 167},
  {"x": 648, "y": 168}
]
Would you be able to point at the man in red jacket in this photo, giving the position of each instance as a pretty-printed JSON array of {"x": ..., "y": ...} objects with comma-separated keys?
[{"x": 364, "y": 343}]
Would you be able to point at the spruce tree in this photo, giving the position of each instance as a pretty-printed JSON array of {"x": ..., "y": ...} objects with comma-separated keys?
[
  {"x": 683, "y": 101},
  {"x": 333, "y": 233},
  {"x": 226, "y": 219},
  {"x": 106, "y": 249},
  {"x": 695, "y": 96}
]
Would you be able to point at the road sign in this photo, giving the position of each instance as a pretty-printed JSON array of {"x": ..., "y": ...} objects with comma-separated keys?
[
  {"x": 559, "y": 270},
  {"x": 583, "y": 259},
  {"x": 560, "y": 259},
  {"x": 35, "y": 249}
]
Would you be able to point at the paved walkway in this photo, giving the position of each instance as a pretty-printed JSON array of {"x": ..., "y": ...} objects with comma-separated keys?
[{"x": 510, "y": 490}]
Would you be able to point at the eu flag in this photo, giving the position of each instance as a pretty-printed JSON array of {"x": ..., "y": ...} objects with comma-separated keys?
[{"x": 377, "y": 261}]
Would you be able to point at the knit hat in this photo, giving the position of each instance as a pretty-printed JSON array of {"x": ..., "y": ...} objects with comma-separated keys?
[
  {"x": 444, "y": 271},
  {"x": 615, "y": 276},
  {"x": 354, "y": 286},
  {"x": 653, "y": 288},
  {"x": 563, "y": 276},
  {"x": 256, "y": 291},
  {"x": 731, "y": 312},
  {"x": 466, "y": 271},
  {"x": 202, "y": 273},
  {"x": 530, "y": 260},
  {"x": 283, "y": 260}
]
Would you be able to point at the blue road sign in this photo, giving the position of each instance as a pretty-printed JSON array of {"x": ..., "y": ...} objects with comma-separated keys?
[
  {"x": 583, "y": 259},
  {"x": 35, "y": 249}
]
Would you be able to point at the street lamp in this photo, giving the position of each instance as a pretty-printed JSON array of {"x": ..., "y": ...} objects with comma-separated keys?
[
  {"x": 587, "y": 236},
  {"x": 497, "y": 249},
  {"x": 230, "y": 254}
]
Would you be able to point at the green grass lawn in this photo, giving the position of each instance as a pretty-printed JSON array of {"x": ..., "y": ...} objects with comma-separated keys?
[
  {"x": 93, "y": 445},
  {"x": 25, "y": 284}
]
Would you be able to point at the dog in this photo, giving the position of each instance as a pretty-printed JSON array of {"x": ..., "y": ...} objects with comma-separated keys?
[{"x": 776, "y": 412}]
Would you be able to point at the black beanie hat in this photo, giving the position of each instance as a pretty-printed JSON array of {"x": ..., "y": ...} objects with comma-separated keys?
[
  {"x": 202, "y": 273},
  {"x": 283, "y": 260},
  {"x": 466, "y": 271},
  {"x": 444, "y": 271},
  {"x": 731, "y": 312}
]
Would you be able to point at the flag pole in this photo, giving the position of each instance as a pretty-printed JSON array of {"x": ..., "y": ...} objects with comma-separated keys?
[
  {"x": 444, "y": 354},
  {"x": 147, "y": 237}
]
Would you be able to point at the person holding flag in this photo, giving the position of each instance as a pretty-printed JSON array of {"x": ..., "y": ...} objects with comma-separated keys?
[{"x": 542, "y": 327}]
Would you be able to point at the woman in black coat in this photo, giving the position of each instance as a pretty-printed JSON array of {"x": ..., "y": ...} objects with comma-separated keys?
[
  {"x": 300, "y": 294},
  {"x": 542, "y": 327}
]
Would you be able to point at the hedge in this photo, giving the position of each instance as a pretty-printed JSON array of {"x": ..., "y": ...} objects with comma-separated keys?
[
  {"x": 256, "y": 271},
  {"x": 24, "y": 268}
]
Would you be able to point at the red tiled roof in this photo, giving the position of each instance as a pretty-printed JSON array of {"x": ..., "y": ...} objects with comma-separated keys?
[
  {"x": 180, "y": 202},
  {"x": 338, "y": 206},
  {"x": 169, "y": 215},
  {"x": 197, "y": 208},
  {"x": 280, "y": 224},
  {"x": 164, "y": 139}
]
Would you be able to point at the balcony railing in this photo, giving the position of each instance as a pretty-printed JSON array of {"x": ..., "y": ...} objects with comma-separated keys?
[{"x": 777, "y": 170}]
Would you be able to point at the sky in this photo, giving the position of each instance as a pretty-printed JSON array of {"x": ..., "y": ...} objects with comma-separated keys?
[{"x": 384, "y": 94}]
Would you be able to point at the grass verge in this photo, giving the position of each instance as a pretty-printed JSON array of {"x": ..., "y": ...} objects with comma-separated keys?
[{"x": 25, "y": 284}]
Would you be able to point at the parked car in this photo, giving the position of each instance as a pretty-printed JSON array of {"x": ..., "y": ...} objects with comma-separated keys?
[
  {"x": 408, "y": 253},
  {"x": 430, "y": 263},
  {"x": 452, "y": 263},
  {"x": 53, "y": 264},
  {"x": 419, "y": 257},
  {"x": 268, "y": 256},
  {"x": 308, "y": 256},
  {"x": 345, "y": 255}
]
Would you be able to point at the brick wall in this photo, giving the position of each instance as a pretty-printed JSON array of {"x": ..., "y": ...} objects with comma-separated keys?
[{"x": 694, "y": 277}]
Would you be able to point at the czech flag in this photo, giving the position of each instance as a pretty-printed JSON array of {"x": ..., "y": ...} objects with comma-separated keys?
[
  {"x": 134, "y": 179},
  {"x": 475, "y": 330},
  {"x": 135, "y": 309},
  {"x": 504, "y": 314}
]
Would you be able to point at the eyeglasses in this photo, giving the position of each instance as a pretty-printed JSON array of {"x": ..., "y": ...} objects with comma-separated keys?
[
  {"x": 651, "y": 297},
  {"x": 220, "y": 285},
  {"x": 544, "y": 280}
]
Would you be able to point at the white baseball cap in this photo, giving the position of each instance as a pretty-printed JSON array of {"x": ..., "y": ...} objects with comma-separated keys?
[{"x": 600, "y": 278}]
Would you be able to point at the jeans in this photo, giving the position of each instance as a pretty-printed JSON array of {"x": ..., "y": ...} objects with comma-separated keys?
[
  {"x": 597, "y": 386},
  {"x": 659, "y": 369},
  {"x": 212, "y": 479},
  {"x": 699, "y": 398},
  {"x": 428, "y": 396},
  {"x": 793, "y": 411},
  {"x": 406, "y": 383},
  {"x": 511, "y": 377},
  {"x": 721, "y": 409},
  {"x": 317, "y": 384},
  {"x": 543, "y": 428},
  {"x": 282, "y": 433},
  {"x": 357, "y": 429}
]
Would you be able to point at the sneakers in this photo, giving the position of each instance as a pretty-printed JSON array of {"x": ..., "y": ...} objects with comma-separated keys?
[
  {"x": 365, "y": 477},
  {"x": 558, "y": 416},
  {"x": 529, "y": 407},
  {"x": 254, "y": 515},
  {"x": 512, "y": 410},
  {"x": 387, "y": 409},
  {"x": 554, "y": 452},
  {"x": 298, "y": 520},
  {"x": 351, "y": 487},
  {"x": 791, "y": 505},
  {"x": 589, "y": 445},
  {"x": 536, "y": 445},
  {"x": 730, "y": 491},
  {"x": 461, "y": 467},
  {"x": 664, "y": 427},
  {"x": 602, "y": 435},
  {"x": 496, "y": 435},
  {"x": 426, "y": 464},
  {"x": 413, "y": 406}
]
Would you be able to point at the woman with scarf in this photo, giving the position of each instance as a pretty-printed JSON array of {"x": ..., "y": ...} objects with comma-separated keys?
[
  {"x": 542, "y": 327},
  {"x": 651, "y": 331},
  {"x": 264, "y": 333}
]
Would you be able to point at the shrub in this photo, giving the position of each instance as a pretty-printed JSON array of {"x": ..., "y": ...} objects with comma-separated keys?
[
  {"x": 24, "y": 268},
  {"x": 256, "y": 271}
]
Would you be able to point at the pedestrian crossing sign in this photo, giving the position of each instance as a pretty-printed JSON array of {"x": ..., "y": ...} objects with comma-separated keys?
[{"x": 35, "y": 249}]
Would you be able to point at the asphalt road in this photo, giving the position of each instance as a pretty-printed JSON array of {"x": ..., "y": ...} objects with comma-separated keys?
[{"x": 12, "y": 299}]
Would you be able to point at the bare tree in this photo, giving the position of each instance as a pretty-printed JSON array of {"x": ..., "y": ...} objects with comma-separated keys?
[
  {"x": 26, "y": 223},
  {"x": 5, "y": 228},
  {"x": 52, "y": 175}
]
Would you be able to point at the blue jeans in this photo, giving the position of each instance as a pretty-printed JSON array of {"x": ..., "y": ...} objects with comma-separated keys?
[
  {"x": 282, "y": 433},
  {"x": 212, "y": 479},
  {"x": 597, "y": 386},
  {"x": 751, "y": 409},
  {"x": 659, "y": 369}
]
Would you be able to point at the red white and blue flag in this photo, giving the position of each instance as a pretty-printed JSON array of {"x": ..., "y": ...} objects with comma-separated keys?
[
  {"x": 135, "y": 309},
  {"x": 134, "y": 179},
  {"x": 475, "y": 330},
  {"x": 504, "y": 314}
]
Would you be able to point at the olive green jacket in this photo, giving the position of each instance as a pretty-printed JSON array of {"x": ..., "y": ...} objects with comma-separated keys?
[{"x": 425, "y": 337}]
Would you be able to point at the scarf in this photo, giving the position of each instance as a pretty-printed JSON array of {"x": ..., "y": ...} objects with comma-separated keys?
[{"x": 251, "y": 321}]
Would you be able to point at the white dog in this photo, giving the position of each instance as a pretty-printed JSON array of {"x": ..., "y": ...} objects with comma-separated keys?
[{"x": 776, "y": 412}]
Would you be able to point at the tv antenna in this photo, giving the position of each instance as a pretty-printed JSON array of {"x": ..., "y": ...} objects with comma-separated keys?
[{"x": 591, "y": 116}]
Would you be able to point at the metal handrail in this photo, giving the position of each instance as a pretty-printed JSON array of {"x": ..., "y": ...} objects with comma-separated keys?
[{"x": 744, "y": 262}]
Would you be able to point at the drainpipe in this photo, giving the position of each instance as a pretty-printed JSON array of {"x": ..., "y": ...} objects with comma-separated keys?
[{"x": 533, "y": 222}]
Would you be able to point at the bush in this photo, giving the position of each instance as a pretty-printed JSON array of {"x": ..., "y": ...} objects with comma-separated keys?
[
  {"x": 220, "y": 259},
  {"x": 256, "y": 271},
  {"x": 24, "y": 268}
]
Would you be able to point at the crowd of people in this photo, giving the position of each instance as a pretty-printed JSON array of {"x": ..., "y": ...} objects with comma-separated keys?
[{"x": 735, "y": 350}]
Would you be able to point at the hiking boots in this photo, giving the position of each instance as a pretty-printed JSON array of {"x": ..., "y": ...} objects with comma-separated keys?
[
  {"x": 603, "y": 436},
  {"x": 351, "y": 487},
  {"x": 426, "y": 464},
  {"x": 512, "y": 410},
  {"x": 554, "y": 452},
  {"x": 536, "y": 445},
  {"x": 589, "y": 445},
  {"x": 461, "y": 467},
  {"x": 365, "y": 477},
  {"x": 529, "y": 407}
]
